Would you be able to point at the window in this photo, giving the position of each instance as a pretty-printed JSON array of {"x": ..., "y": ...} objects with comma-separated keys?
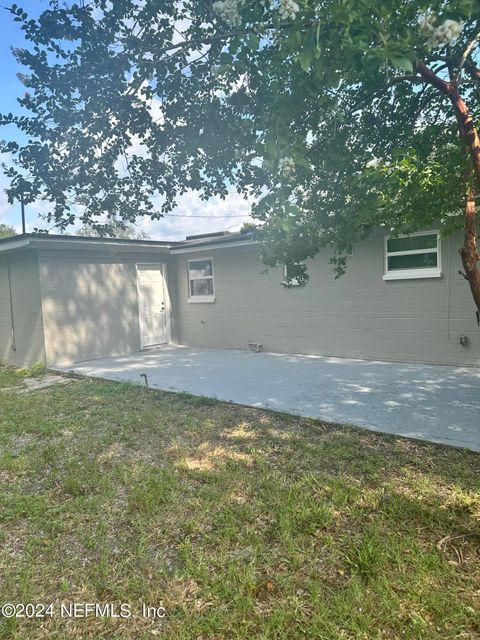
[
  {"x": 294, "y": 281},
  {"x": 415, "y": 256},
  {"x": 200, "y": 281}
]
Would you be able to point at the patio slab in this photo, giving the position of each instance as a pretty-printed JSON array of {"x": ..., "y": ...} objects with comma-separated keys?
[{"x": 428, "y": 402}]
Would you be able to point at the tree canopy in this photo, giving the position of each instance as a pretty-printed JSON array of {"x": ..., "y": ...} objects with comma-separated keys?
[
  {"x": 112, "y": 229},
  {"x": 6, "y": 231},
  {"x": 336, "y": 116}
]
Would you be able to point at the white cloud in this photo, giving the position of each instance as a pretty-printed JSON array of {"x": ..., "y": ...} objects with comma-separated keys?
[
  {"x": 181, "y": 28},
  {"x": 219, "y": 217},
  {"x": 155, "y": 109}
]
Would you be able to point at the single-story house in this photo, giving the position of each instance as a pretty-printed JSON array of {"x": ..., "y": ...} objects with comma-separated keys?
[{"x": 67, "y": 299}]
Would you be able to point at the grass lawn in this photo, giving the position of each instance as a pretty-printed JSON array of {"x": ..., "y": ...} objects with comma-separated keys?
[{"x": 241, "y": 523}]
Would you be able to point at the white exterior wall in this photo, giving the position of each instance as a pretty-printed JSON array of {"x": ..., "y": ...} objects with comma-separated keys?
[
  {"x": 27, "y": 336},
  {"x": 90, "y": 303},
  {"x": 359, "y": 315},
  {"x": 76, "y": 305}
]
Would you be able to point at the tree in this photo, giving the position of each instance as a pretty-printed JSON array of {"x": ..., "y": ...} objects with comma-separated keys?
[
  {"x": 112, "y": 229},
  {"x": 338, "y": 116},
  {"x": 248, "y": 227},
  {"x": 6, "y": 231}
]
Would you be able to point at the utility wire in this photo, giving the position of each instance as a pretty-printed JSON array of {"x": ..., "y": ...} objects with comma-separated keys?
[
  {"x": 182, "y": 215},
  {"x": 5, "y": 213},
  {"x": 178, "y": 215}
]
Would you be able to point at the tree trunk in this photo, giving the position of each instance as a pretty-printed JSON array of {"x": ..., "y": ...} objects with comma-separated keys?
[
  {"x": 469, "y": 251},
  {"x": 469, "y": 135},
  {"x": 468, "y": 132}
]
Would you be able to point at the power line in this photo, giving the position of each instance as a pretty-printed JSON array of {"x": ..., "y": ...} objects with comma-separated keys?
[
  {"x": 232, "y": 227},
  {"x": 178, "y": 215},
  {"x": 163, "y": 216},
  {"x": 5, "y": 213},
  {"x": 181, "y": 215}
]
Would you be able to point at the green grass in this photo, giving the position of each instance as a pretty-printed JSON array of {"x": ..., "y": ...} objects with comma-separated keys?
[{"x": 241, "y": 523}]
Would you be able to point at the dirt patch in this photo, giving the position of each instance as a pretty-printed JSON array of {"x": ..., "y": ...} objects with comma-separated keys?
[{"x": 36, "y": 384}]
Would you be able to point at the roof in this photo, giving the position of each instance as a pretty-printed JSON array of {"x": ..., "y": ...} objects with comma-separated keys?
[
  {"x": 197, "y": 236},
  {"x": 37, "y": 240},
  {"x": 49, "y": 237},
  {"x": 74, "y": 243},
  {"x": 213, "y": 240}
]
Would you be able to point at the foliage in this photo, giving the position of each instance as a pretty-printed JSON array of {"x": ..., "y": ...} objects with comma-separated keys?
[
  {"x": 6, "y": 231},
  {"x": 35, "y": 371},
  {"x": 248, "y": 227},
  {"x": 112, "y": 229},
  {"x": 320, "y": 109}
]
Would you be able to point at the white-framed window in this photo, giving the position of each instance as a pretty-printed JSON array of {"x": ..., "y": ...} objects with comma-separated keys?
[
  {"x": 414, "y": 256},
  {"x": 201, "y": 285},
  {"x": 294, "y": 281}
]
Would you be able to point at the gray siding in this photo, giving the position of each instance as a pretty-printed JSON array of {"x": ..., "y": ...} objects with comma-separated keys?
[
  {"x": 359, "y": 315},
  {"x": 90, "y": 305},
  {"x": 26, "y": 308}
]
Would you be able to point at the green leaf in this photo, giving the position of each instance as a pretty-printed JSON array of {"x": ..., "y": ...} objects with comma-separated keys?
[
  {"x": 253, "y": 41},
  {"x": 225, "y": 58},
  {"x": 305, "y": 58},
  {"x": 402, "y": 61}
]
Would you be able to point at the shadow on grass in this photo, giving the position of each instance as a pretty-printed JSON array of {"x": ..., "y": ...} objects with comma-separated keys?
[{"x": 233, "y": 518}]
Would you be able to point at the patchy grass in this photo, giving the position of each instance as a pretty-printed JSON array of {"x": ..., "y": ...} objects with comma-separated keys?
[{"x": 240, "y": 522}]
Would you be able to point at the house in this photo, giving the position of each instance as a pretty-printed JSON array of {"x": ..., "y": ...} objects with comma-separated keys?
[{"x": 68, "y": 299}]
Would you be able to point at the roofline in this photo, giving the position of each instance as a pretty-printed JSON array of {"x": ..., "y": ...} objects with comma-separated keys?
[
  {"x": 211, "y": 246},
  {"x": 203, "y": 236},
  {"x": 59, "y": 242},
  {"x": 13, "y": 242},
  {"x": 36, "y": 240},
  {"x": 67, "y": 238}
]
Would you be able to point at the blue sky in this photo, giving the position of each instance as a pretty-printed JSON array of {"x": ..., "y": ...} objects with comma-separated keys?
[{"x": 191, "y": 216}]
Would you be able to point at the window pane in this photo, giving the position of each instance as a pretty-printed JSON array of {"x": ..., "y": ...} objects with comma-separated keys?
[
  {"x": 200, "y": 268},
  {"x": 415, "y": 261},
  {"x": 201, "y": 287},
  {"x": 410, "y": 244}
]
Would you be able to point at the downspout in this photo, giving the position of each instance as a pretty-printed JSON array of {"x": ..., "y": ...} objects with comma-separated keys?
[{"x": 13, "y": 345}]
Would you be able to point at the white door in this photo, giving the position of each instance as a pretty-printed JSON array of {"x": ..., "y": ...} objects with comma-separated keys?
[{"x": 151, "y": 303}]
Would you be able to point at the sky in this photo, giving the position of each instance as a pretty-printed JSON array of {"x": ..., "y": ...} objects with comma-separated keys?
[{"x": 192, "y": 215}]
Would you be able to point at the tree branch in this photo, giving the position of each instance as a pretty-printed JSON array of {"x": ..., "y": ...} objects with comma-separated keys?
[
  {"x": 406, "y": 78},
  {"x": 176, "y": 48},
  {"x": 468, "y": 51},
  {"x": 192, "y": 43},
  {"x": 472, "y": 70},
  {"x": 429, "y": 76},
  {"x": 468, "y": 65}
]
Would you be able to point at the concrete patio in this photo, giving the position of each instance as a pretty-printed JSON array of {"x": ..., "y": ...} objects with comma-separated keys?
[{"x": 435, "y": 403}]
